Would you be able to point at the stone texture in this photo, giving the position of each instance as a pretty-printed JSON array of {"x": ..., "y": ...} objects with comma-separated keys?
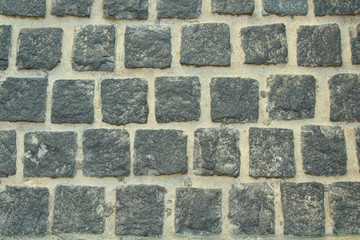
[
  {"x": 24, "y": 211},
  {"x": 336, "y": 7},
  {"x": 198, "y": 211},
  {"x": 357, "y": 138},
  {"x": 291, "y": 97},
  {"x": 140, "y": 210},
  {"x": 206, "y": 44},
  {"x": 272, "y": 153},
  {"x": 285, "y": 7},
  {"x": 94, "y": 48},
  {"x": 106, "y": 153},
  {"x": 50, "y": 154},
  {"x": 7, "y": 153},
  {"x": 160, "y": 152},
  {"x": 252, "y": 209},
  {"x": 5, "y": 46},
  {"x": 147, "y": 47},
  {"x": 124, "y": 101},
  {"x": 79, "y": 210},
  {"x": 355, "y": 46},
  {"x": 234, "y": 100},
  {"x": 345, "y": 97},
  {"x": 23, "y": 99},
  {"x": 216, "y": 152},
  {"x": 23, "y": 8},
  {"x": 179, "y": 8},
  {"x": 303, "y": 209},
  {"x": 319, "y": 46},
  {"x": 323, "y": 150},
  {"x": 233, "y": 7},
  {"x": 73, "y": 101},
  {"x": 177, "y": 99},
  {"x": 124, "y": 9},
  {"x": 265, "y": 44},
  {"x": 39, "y": 48},
  {"x": 78, "y": 8}
]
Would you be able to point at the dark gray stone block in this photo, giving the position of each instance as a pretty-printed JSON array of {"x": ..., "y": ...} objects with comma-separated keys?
[
  {"x": 78, "y": 8},
  {"x": 160, "y": 152},
  {"x": 216, "y": 152},
  {"x": 179, "y": 8},
  {"x": 24, "y": 211},
  {"x": 233, "y": 7},
  {"x": 7, "y": 153},
  {"x": 198, "y": 211},
  {"x": 5, "y": 46},
  {"x": 50, "y": 154},
  {"x": 291, "y": 97},
  {"x": 285, "y": 7},
  {"x": 234, "y": 100},
  {"x": 177, "y": 99},
  {"x": 355, "y": 46},
  {"x": 357, "y": 138},
  {"x": 23, "y": 99},
  {"x": 319, "y": 46},
  {"x": 336, "y": 7},
  {"x": 23, "y": 8},
  {"x": 265, "y": 44},
  {"x": 73, "y": 101},
  {"x": 206, "y": 45},
  {"x": 140, "y": 210},
  {"x": 124, "y": 101},
  {"x": 125, "y": 9},
  {"x": 94, "y": 48},
  {"x": 79, "y": 210},
  {"x": 106, "y": 153},
  {"x": 303, "y": 208},
  {"x": 252, "y": 209},
  {"x": 39, "y": 48}
]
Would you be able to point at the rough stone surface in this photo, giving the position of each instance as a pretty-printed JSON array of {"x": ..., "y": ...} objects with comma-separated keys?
[
  {"x": 39, "y": 48},
  {"x": 345, "y": 97},
  {"x": 285, "y": 7},
  {"x": 206, "y": 45},
  {"x": 140, "y": 210},
  {"x": 73, "y": 101},
  {"x": 291, "y": 97},
  {"x": 50, "y": 154},
  {"x": 7, "y": 153},
  {"x": 198, "y": 211},
  {"x": 234, "y": 100},
  {"x": 179, "y": 8},
  {"x": 357, "y": 138},
  {"x": 24, "y": 210},
  {"x": 233, "y": 7},
  {"x": 5, "y": 46},
  {"x": 23, "y": 8},
  {"x": 79, "y": 210},
  {"x": 23, "y": 99},
  {"x": 147, "y": 47},
  {"x": 336, "y": 7},
  {"x": 124, "y": 101},
  {"x": 94, "y": 48},
  {"x": 303, "y": 208},
  {"x": 265, "y": 44},
  {"x": 216, "y": 152},
  {"x": 252, "y": 209},
  {"x": 106, "y": 153},
  {"x": 355, "y": 46},
  {"x": 319, "y": 46},
  {"x": 177, "y": 99},
  {"x": 78, "y": 8},
  {"x": 125, "y": 9}
]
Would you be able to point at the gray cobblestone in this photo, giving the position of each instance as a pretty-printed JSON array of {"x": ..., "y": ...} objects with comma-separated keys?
[
  {"x": 179, "y": 8},
  {"x": 23, "y": 8},
  {"x": 336, "y": 7},
  {"x": 8, "y": 152},
  {"x": 79, "y": 8},
  {"x": 5, "y": 46},
  {"x": 285, "y": 7},
  {"x": 233, "y": 7},
  {"x": 123, "y": 9}
]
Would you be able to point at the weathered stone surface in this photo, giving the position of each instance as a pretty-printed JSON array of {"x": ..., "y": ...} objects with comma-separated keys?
[
  {"x": 285, "y": 7},
  {"x": 79, "y": 210},
  {"x": 216, "y": 152},
  {"x": 206, "y": 45},
  {"x": 177, "y": 99},
  {"x": 265, "y": 44},
  {"x": 5, "y": 46},
  {"x": 140, "y": 210},
  {"x": 73, "y": 101},
  {"x": 357, "y": 138},
  {"x": 106, "y": 153},
  {"x": 124, "y": 9},
  {"x": 303, "y": 208},
  {"x": 233, "y": 7},
  {"x": 179, "y": 8},
  {"x": 355, "y": 46},
  {"x": 252, "y": 209},
  {"x": 160, "y": 152},
  {"x": 147, "y": 47},
  {"x": 319, "y": 46},
  {"x": 345, "y": 97},
  {"x": 124, "y": 101},
  {"x": 272, "y": 153},
  {"x": 336, "y": 7},
  {"x": 323, "y": 151},
  {"x": 291, "y": 97},
  {"x": 24, "y": 210},
  {"x": 7, "y": 153},
  {"x": 23, "y": 99},
  {"x": 198, "y": 211},
  {"x": 79, "y": 8},
  {"x": 50, "y": 154},
  {"x": 94, "y": 48},
  {"x": 39, "y": 48},
  {"x": 23, "y": 8},
  {"x": 234, "y": 100},
  {"x": 345, "y": 207}
]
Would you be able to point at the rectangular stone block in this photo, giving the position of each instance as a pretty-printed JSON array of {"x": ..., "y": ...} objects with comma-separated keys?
[
  {"x": 355, "y": 45},
  {"x": 336, "y": 7},
  {"x": 124, "y": 9},
  {"x": 8, "y": 152},
  {"x": 23, "y": 8},
  {"x": 77, "y": 8},
  {"x": 233, "y": 7},
  {"x": 357, "y": 139},
  {"x": 184, "y": 9},
  {"x": 285, "y": 7},
  {"x": 5, "y": 46}
]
